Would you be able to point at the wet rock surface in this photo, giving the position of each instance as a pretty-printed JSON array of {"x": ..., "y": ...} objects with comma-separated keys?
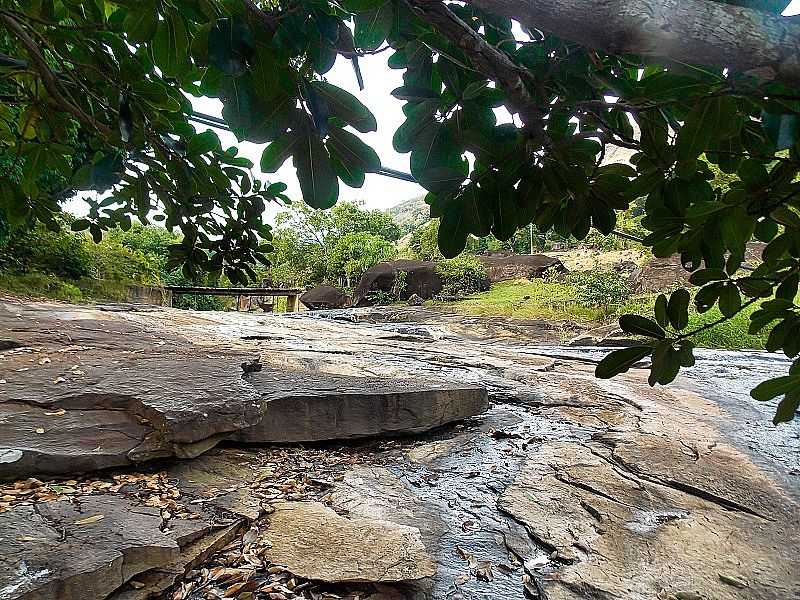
[{"x": 567, "y": 487}]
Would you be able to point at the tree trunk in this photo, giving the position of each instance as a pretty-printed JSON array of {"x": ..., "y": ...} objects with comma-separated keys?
[{"x": 684, "y": 31}]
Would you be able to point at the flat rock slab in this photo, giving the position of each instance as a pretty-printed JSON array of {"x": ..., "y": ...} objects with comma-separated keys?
[
  {"x": 636, "y": 539},
  {"x": 70, "y": 551},
  {"x": 128, "y": 399},
  {"x": 314, "y": 542}
]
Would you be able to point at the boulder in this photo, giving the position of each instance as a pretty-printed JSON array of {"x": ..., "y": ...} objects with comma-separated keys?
[
  {"x": 415, "y": 300},
  {"x": 503, "y": 267},
  {"x": 314, "y": 542},
  {"x": 419, "y": 277},
  {"x": 324, "y": 297}
]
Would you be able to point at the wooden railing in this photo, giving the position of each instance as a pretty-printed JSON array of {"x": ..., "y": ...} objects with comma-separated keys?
[{"x": 292, "y": 294}]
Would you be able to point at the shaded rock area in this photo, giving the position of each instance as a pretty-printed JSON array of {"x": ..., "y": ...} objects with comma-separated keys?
[
  {"x": 568, "y": 487},
  {"x": 664, "y": 274},
  {"x": 418, "y": 277},
  {"x": 324, "y": 297},
  {"x": 504, "y": 267}
]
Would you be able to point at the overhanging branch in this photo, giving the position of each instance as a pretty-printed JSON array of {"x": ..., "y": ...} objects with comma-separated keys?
[
  {"x": 685, "y": 31},
  {"x": 485, "y": 58}
]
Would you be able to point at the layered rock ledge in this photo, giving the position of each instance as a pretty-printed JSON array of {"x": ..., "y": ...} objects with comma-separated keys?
[{"x": 69, "y": 408}]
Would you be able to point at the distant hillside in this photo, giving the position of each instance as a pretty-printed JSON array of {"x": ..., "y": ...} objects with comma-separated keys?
[{"x": 410, "y": 214}]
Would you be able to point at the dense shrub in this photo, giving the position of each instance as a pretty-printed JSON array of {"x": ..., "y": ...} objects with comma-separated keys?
[
  {"x": 462, "y": 275},
  {"x": 38, "y": 249},
  {"x": 599, "y": 288},
  {"x": 115, "y": 262}
]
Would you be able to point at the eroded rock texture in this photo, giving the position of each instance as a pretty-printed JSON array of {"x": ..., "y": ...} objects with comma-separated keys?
[
  {"x": 566, "y": 488},
  {"x": 129, "y": 398},
  {"x": 314, "y": 542}
]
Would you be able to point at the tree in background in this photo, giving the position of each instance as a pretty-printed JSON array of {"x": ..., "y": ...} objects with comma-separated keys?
[
  {"x": 334, "y": 246},
  {"x": 697, "y": 77},
  {"x": 353, "y": 253}
]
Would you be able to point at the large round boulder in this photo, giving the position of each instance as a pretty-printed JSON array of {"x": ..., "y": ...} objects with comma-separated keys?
[
  {"x": 324, "y": 297},
  {"x": 399, "y": 278},
  {"x": 504, "y": 267}
]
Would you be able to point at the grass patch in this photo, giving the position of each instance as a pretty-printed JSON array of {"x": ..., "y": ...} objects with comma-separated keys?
[
  {"x": 40, "y": 285},
  {"x": 730, "y": 335},
  {"x": 554, "y": 300},
  {"x": 524, "y": 299}
]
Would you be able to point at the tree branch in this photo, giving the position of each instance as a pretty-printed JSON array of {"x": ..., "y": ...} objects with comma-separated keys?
[
  {"x": 685, "y": 31},
  {"x": 49, "y": 79},
  {"x": 486, "y": 59}
]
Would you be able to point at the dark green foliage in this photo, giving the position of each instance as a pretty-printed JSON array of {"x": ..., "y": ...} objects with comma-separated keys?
[{"x": 462, "y": 276}]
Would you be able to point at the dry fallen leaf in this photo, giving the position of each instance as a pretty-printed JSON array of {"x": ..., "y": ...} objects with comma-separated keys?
[
  {"x": 90, "y": 520},
  {"x": 56, "y": 413},
  {"x": 484, "y": 571}
]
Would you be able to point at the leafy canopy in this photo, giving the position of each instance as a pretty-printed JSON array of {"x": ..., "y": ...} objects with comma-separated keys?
[{"x": 99, "y": 94}]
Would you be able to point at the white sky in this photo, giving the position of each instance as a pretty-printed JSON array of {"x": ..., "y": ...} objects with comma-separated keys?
[{"x": 378, "y": 191}]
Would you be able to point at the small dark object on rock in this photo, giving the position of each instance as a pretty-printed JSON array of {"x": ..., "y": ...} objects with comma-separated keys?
[
  {"x": 499, "y": 434},
  {"x": 415, "y": 300},
  {"x": 252, "y": 366}
]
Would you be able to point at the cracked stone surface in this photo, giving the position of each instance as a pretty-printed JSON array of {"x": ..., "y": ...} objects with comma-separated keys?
[
  {"x": 566, "y": 488},
  {"x": 315, "y": 542}
]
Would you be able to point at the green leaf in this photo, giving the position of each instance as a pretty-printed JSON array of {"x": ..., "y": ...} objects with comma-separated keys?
[
  {"x": 346, "y": 107},
  {"x": 787, "y": 408},
  {"x": 202, "y": 143},
  {"x": 373, "y": 26},
  {"x": 788, "y": 288},
  {"x": 441, "y": 179},
  {"x": 230, "y": 45},
  {"x": 782, "y": 130},
  {"x": 171, "y": 46},
  {"x": 477, "y": 213},
  {"x": 729, "y": 300},
  {"x": 318, "y": 181},
  {"x": 665, "y": 365},
  {"x": 505, "y": 214},
  {"x": 769, "y": 389},
  {"x": 141, "y": 22},
  {"x": 638, "y": 325},
  {"x": 436, "y": 161},
  {"x": 661, "y": 310},
  {"x": 80, "y": 225},
  {"x": 710, "y": 118},
  {"x": 452, "y": 235},
  {"x": 704, "y": 276},
  {"x": 352, "y": 151},
  {"x": 678, "y": 309},
  {"x": 278, "y": 151},
  {"x": 620, "y": 361}
]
